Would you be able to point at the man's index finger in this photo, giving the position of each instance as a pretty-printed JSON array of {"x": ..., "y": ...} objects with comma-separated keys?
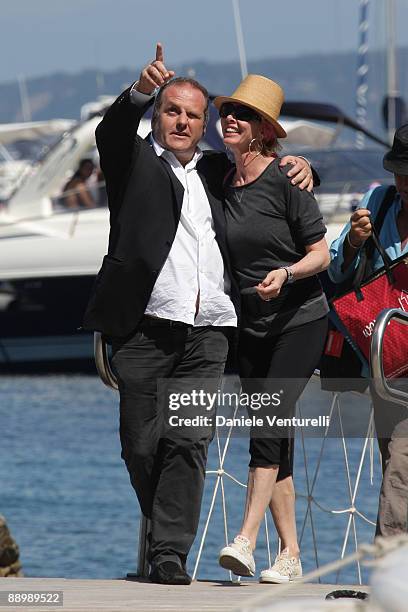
[{"x": 159, "y": 52}]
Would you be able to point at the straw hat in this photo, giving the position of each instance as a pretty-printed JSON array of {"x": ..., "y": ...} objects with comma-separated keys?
[{"x": 262, "y": 95}]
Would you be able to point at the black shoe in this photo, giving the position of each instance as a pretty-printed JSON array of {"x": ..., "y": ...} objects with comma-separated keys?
[{"x": 169, "y": 572}]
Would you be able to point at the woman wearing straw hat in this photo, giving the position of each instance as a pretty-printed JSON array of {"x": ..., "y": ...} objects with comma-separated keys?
[{"x": 276, "y": 239}]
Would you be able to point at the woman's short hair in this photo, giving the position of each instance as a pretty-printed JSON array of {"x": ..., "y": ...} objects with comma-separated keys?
[{"x": 269, "y": 143}]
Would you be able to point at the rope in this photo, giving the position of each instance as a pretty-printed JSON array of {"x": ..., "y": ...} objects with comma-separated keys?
[
  {"x": 310, "y": 493},
  {"x": 380, "y": 548},
  {"x": 310, "y": 482},
  {"x": 308, "y": 498}
]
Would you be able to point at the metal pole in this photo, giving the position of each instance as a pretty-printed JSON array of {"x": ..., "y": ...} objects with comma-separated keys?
[
  {"x": 102, "y": 362},
  {"x": 142, "y": 557},
  {"x": 377, "y": 374},
  {"x": 240, "y": 38},
  {"x": 25, "y": 102},
  {"x": 109, "y": 379},
  {"x": 362, "y": 70},
  {"x": 391, "y": 69}
]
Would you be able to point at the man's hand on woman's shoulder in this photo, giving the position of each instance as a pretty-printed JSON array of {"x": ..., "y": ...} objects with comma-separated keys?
[{"x": 300, "y": 173}]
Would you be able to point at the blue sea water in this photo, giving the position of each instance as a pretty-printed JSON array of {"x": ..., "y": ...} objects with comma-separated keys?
[{"x": 65, "y": 493}]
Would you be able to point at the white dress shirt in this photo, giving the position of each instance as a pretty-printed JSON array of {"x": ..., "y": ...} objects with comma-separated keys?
[{"x": 194, "y": 267}]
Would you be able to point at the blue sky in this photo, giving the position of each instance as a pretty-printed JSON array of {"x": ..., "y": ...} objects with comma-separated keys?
[{"x": 43, "y": 36}]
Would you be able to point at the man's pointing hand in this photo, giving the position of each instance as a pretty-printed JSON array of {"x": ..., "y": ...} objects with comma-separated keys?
[{"x": 154, "y": 74}]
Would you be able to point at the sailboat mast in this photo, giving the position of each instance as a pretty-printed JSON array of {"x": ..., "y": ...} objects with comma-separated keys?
[
  {"x": 362, "y": 70},
  {"x": 240, "y": 38},
  {"x": 392, "y": 90},
  {"x": 24, "y": 99}
]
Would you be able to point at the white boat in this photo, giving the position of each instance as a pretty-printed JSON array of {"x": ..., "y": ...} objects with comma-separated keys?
[
  {"x": 49, "y": 257},
  {"x": 50, "y": 254},
  {"x": 20, "y": 145}
]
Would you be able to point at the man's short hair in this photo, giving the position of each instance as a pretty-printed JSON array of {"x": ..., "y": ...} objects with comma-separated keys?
[{"x": 181, "y": 81}]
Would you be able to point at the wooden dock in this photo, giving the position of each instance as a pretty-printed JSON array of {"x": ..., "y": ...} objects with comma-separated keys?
[{"x": 142, "y": 596}]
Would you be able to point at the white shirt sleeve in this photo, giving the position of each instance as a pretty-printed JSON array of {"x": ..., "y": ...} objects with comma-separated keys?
[{"x": 137, "y": 97}]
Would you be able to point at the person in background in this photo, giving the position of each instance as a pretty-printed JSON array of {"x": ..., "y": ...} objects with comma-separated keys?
[
  {"x": 276, "y": 242},
  {"x": 100, "y": 189},
  {"x": 76, "y": 193},
  {"x": 390, "y": 418}
]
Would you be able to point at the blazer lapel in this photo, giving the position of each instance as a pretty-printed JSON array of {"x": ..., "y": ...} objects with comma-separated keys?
[
  {"x": 217, "y": 210},
  {"x": 178, "y": 188}
]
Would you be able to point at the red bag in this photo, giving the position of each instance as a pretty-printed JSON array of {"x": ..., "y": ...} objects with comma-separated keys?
[{"x": 359, "y": 308}]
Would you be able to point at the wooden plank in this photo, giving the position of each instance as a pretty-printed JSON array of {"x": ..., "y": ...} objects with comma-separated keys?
[{"x": 143, "y": 596}]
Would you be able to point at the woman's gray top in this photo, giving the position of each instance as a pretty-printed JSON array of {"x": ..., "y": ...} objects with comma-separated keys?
[{"x": 269, "y": 223}]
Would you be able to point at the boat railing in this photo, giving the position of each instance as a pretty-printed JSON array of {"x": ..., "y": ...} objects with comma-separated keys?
[
  {"x": 338, "y": 199},
  {"x": 102, "y": 363},
  {"x": 379, "y": 381},
  {"x": 338, "y": 403}
]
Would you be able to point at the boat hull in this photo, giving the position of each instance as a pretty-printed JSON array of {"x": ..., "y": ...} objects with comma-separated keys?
[{"x": 40, "y": 321}]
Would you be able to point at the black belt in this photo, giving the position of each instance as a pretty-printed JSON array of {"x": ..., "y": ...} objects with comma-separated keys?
[{"x": 159, "y": 322}]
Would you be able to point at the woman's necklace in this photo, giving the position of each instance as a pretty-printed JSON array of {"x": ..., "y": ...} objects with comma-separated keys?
[{"x": 238, "y": 195}]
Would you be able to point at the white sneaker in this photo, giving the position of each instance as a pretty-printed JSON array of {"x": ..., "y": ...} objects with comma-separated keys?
[
  {"x": 238, "y": 557},
  {"x": 285, "y": 569}
]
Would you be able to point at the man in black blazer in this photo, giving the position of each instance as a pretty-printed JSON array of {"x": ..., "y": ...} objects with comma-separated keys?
[{"x": 164, "y": 295}]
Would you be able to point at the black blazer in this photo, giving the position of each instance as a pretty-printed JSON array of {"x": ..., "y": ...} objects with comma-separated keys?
[{"x": 145, "y": 200}]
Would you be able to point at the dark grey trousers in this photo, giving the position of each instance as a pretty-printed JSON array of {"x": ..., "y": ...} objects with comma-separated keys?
[
  {"x": 391, "y": 422},
  {"x": 167, "y": 472}
]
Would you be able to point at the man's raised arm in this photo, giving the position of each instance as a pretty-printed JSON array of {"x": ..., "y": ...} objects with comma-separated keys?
[{"x": 119, "y": 126}]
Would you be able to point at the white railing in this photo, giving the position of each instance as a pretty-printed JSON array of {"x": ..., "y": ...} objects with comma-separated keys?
[
  {"x": 338, "y": 403},
  {"x": 352, "y": 507}
]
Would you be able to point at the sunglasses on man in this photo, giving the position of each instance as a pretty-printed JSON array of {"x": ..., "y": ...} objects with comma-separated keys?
[{"x": 239, "y": 112}]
